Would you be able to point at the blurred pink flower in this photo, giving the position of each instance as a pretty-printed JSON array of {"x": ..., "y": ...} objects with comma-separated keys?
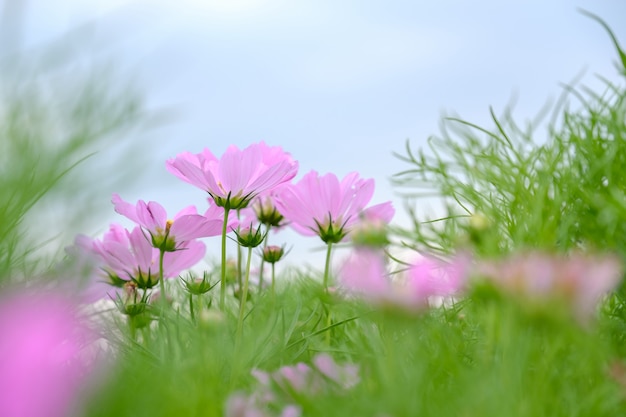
[
  {"x": 241, "y": 405},
  {"x": 304, "y": 379},
  {"x": 346, "y": 376},
  {"x": 578, "y": 279},
  {"x": 167, "y": 234},
  {"x": 324, "y": 206},
  {"x": 278, "y": 388},
  {"x": 128, "y": 256},
  {"x": 43, "y": 368},
  {"x": 365, "y": 274},
  {"x": 239, "y": 175}
]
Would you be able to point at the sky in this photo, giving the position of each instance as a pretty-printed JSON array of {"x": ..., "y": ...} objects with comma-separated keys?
[{"x": 341, "y": 85}]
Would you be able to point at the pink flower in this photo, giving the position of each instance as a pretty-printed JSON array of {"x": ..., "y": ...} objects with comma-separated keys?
[
  {"x": 302, "y": 378},
  {"x": 238, "y": 176},
  {"x": 240, "y": 405},
  {"x": 166, "y": 234},
  {"x": 326, "y": 207},
  {"x": 277, "y": 389},
  {"x": 43, "y": 368},
  {"x": 579, "y": 280},
  {"x": 347, "y": 376},
  {"x": 365, "y": 274},
  {"x": 439, "y": 278},
  {"x": 128, "y": 256}
]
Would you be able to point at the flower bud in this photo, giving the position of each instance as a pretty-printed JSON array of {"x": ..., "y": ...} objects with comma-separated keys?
[
  {"x": 131, "y": 303},
  {"x": 370, "y": 233},
  {"x": 273, "y": 254},
  {"x": 478, "y": 226},
  {"x": 145, "y": 279},
  {"x": 249, "y": 237},
  {"x": 267, "y": 213},
  {"x": 198, "y": 286}
]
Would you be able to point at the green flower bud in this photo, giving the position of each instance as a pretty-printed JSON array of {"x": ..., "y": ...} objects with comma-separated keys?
[
  {"x": 248, "y": 237},
  {"x": 198, "y": 286},
  {"x": 131, "y": 303},
  {"x": 145, "y": 280},
  {"x": 370, "y": 233},
  {"x": 273, "y": 254},
  {"x": 267, "y": 213}
]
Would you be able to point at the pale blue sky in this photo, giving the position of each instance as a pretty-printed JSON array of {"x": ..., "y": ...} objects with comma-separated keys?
[{"x": 339, "y": 84}]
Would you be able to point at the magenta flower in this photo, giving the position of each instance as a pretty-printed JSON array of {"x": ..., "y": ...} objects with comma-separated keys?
[
  {"x": 579, "y": 280},
  {"x": 238, "y": 176},
  {"x": 43, "y": 368},
  {"x": 304, "y": 379},
  {"x": 276, "y": 389},
  {"x": 346, "y": 376},
  {"x": 170, "y": 235},
  {"x": 365, "y": 274},
  {"x": 326, "y": 207},
  {"x": 240, "y": 405},
  {"x": 128, "y": 256}
]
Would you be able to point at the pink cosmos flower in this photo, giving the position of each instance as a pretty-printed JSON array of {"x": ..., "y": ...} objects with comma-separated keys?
[
  {"x": 365, "y": 274},
  {"x": 329, "y": 208},
  {"x": 305, "y": 379},
  {"x": 239, "y": 175},
  {"x": 128, "y": 256},
  {"x": 346, "y": 376},
  {"x": 580, "y": 280},
  {"x": 43, "y": 368},
  {"x": 166, "y": 234},
  {"x": 277, "y": 388},
  {"x": 240, "y": 405}
]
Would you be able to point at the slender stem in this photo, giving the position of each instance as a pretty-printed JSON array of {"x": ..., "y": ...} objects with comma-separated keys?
[
  {"x": 239, "y": 282},
  {"x": 161, "y": 283},
  {"x": 242, "y": 303},
  {"x": 132, "y": 327},
  {"x": 163, "y": 301},
  {"x": 223, "y": 281},
  {"x": 329, "y": 321},
  {"x": 199, "y": 307},
  {"x": 273, "y": 279},
  {"x": 193, "y": 316},
  {"x": 327, "y": 266},
  {"x": 267, "y": 234},
  {"x": 326, "y": 279}
]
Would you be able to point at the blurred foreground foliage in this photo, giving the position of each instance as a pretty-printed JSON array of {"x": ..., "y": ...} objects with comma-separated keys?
[{"x": 58, "y": 110}]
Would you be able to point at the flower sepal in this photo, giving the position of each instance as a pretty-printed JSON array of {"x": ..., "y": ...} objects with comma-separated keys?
[
  {"x": 199, "y": 286},
  {"x": 250, "y": 237}
]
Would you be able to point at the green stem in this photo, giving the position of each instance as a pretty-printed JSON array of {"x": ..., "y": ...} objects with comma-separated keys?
[
  {"x": 326, "y": 279},
  {"x": 239, "y": 257},
  {"x": 161, "y": 283},
  {"x": 132, "y": 328},
  {"x": 223, "y": 280},
  {"x": 164, "y": 303},
  {"x": 329, "y": 321},
  {"x": 273, "y": 279},
  {"x": 242, "y": 303},
  {"x": 267, "y": 233},
  {"x": 327, "y": 266},
  {"x": 193, "y": 316}
]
